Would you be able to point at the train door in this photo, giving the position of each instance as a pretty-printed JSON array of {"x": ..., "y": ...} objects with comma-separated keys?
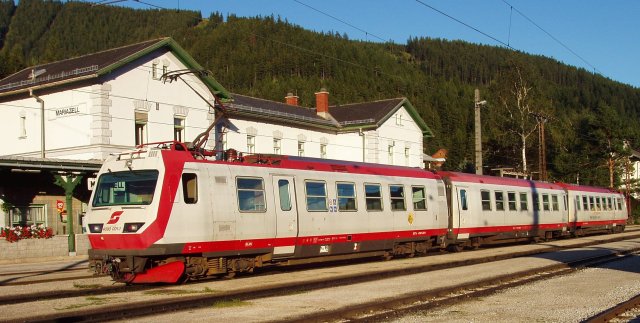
[
  {"x": 286, "y": 215},
  {"x": 461, "y": 212}
]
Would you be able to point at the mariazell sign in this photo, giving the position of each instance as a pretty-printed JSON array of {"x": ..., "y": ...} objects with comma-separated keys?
[{"x": 72, "y": 110}]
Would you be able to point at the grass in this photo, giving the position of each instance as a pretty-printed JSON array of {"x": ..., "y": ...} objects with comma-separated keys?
[
  {"x": 230, "y": 303},
  {"x": 91, "y": 300},
  {"x": 86, "y": 286},
  {"x": 206, "y": 290}
]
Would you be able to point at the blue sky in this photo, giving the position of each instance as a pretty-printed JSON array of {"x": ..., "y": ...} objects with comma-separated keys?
[{"x": 605, "y": 34}]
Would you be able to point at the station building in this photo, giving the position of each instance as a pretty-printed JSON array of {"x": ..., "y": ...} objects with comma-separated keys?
[{"x": 87, "y": 107}]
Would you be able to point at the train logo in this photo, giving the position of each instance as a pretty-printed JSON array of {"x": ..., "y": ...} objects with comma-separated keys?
[{"x": 115, "y": 217}]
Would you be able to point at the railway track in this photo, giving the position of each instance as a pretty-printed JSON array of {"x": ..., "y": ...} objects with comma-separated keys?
[
  {"x": 623, "y": 312},
  {"x": 204, "y": 298}
]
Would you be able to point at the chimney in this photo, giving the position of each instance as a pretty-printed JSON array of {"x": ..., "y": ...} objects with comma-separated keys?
[
  {"x": 322, "y": 103},
  {"x": 291, "y": 99}
]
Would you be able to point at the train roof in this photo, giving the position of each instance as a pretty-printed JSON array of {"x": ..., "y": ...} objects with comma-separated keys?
[
  {"x": 582, "y": 188},
  {"x": 494, "y": 180}
]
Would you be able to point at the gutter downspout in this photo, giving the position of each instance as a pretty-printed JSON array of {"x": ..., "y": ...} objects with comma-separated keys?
[{"x": 31, "y": 94}]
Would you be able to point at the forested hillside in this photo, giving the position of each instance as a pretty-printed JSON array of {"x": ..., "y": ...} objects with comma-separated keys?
[{"x": 588, "y": 116}]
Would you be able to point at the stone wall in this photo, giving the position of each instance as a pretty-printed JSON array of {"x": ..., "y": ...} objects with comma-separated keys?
[{"x": 33, "y": 249}]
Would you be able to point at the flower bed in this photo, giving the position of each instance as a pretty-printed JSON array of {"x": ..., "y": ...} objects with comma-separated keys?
[{"x": 16, "y": 233}]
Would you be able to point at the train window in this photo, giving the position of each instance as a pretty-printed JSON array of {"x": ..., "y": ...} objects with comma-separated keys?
[
  {"x": 251, "y": 194},
  {"x": 535, "y": 199},
  {"x": 485, "y": 196},
  {"x": 190, "y": 188},
  {"x": 599, "y": 204},
  {"x": 125, "y": 188},
  {"x": 396, "y": 194},
  {"x": 592, "y": 203},
  {"x": 577, "y": 200},
  {"x": 499, "y": 200},
  {"x": 373, "y": 195},
  {"x": 419, "y": 198},
  {"x": 619, "y": 203},
  {"x": 316, "y": 196},
  {"x": 346, "y": 196},
  {"x": 609, "y": 204},
  {"x": 285, "y": 197},
  {"x": 565, "y": 200},
  {"x": 511, "y": 198},
  {"x": 555, "y": 206},
  {"x": 463, "y": 200},
  {"x": 545, "y": 202},
  {"x": 585, "y": 203},
  {"x": 524, "y": 203}
]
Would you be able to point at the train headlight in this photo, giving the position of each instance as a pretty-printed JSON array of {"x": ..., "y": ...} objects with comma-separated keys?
[
  {"x": 95, "y": 227},
  {"x": 132, "y": 227}
]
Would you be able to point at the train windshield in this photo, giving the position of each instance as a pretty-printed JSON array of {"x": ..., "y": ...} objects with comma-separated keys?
[{"x": 126, "y": 188}]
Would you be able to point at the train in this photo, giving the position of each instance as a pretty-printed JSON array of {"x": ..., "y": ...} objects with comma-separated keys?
[{"x": 166, "y": 213}]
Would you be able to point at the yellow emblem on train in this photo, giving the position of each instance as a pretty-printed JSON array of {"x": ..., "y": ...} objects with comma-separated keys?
[{"x": 410, "y": 218}]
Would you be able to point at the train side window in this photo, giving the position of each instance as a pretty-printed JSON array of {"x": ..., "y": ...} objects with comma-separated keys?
[
  {"x": 346, "y": 196},
  {"x": 251, "y": 194},
  {"x": 585, "y": 203},
  {"x": 609, "y": 203},
  {"x": 511, "y": 198},
  {"x": 485, "y": 196},
  {"x": 396, "y": 194},
  {"x": 577, "y": 200},
  {"x": 592, "y": 203},
  {"x": 545, "y": 202},
  {"x": 535, "y": 198},
  {"x": 599, "y": 206},
  {"x": 373, "y": 196},
  {"x": 419, "y": 198},
  {"x": 316, "y": 195},
  {"x": 555, "y": 206},
  {"x": 524, "y": 203},
  {"x": 285, "y": 196},
  {"x": 619, "y": 203},
  {"x": 499, "y": 200},
  {"x": 190, "y": 188},
  {"x": 463, "y": 200}
]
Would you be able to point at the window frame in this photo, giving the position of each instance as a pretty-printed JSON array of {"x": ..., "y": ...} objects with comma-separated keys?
[
  {"x": 512, "y": 205},
  {"x": 499, "y": 202},
  {"x": 379, "y": 198},
  {"x": 179, "y": 128},
  {"x": 264, "y": 197},
  {"x": 277, "y": 146},
  {"x": 392, "y": 198},
  {"x": 555, "y": 203},
  {"x": 325, "y": 196},
  {"x": 524, "y": 203},
  {"x": 354, "y": 197},
  {"x": 251, "y": 144},
  {"x": 423, "y": 199},
  {"x": 485, "y": 202},
  {"x": 186, "y": 188},
  {"x": 288, "y": 194}
]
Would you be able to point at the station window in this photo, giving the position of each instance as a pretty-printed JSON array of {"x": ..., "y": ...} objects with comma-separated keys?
[
  {"x": 251, "y": 194},
  {"x": 463, "y": 200},
  {"x": 396, "y": 193},
  {"x": 141, "y": 127},
  {"x": 301, "y": 148},
  {"x": 511, "y": 198},
  {"x": 277, "y": 145},
  {"x": 285, "y": 196},
  {"x": 190, "y": 188},
  {"x": 346, "y": 196},
  {"x": 419, "y": 198},
  {"x": 154, "y": 71},
  {"x": 316, "y": 195},
  {"x": 251, "y": 144},
  {"x": 524, "y": 203},
  {"x": 545, "y": 202},
  {"x": 373, "y": 195},
  {"x": 499, "y": 200},
  {"x": 178, "y": 129},
  {"x": 485, "y": 196},
  {"x": 555, "y": 206},
  {"x": 323, "y": 151}
]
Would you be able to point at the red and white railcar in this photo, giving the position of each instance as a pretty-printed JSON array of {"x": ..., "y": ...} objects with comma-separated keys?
[
  {"x": 595, "y": 209},
  {"x": 163, "y": 213},
  {"x": 485, "y": 209}
]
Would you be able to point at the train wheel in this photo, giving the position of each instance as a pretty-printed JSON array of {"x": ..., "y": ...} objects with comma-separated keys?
[
  {"x": 230, "y": 275},
  {"x": 454, "y": 247}
]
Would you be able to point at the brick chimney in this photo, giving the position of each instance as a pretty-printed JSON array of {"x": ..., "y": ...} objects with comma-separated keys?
[
  {"x": 322, "y": 103},
  {"x": 291, "y": 99}
]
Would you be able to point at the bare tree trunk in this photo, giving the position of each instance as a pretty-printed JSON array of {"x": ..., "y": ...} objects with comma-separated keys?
[{"x": 524, "y": 153}]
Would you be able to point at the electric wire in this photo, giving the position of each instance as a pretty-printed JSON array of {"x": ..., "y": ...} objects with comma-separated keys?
[
  {"x": 340, "y": 20},
  {"x": 552, "y": 37}
]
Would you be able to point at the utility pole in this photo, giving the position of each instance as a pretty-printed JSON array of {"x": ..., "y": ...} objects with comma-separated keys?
[
  {"x": 478, "y": 131},
  {"x": 542, "y": 153}
]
